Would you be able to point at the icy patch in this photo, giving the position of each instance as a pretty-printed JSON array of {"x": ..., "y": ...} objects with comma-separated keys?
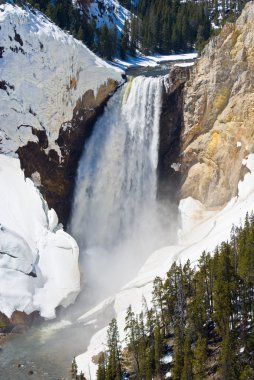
[{"x": 38, "y": 267}]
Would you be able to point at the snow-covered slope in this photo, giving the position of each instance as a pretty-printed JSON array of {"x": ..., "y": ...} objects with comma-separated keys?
[
  {"x": 109, "y": 12},
  {"x": 51, "y": 89},
  {"x": 201, "y": 230},
  {"x": 45, "y": 74},
  {"x": 44, "y": 71},
  {"x": 38, "y": 260}
]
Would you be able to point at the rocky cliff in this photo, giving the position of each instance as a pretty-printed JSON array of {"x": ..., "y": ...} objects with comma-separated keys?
[
  {"x": 171, "y": 126},
  {"x": 52, "y": 89},
  {"x": 218, "y": 114}
]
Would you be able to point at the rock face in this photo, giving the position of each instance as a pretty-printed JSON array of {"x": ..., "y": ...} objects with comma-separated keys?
[
  {"x": 218, "y": 114},
  {"x": 47, "y": 112},
  {"x": 57, "y": 173},
  {"x": 171, "y": 125}
]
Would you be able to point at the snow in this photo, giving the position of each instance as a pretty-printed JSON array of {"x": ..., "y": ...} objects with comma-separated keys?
[
  {"x": 167, "y": 359},
  {"x": 238, "y": 144},
  {"x": 168, "y": 375},
  {"x": 29, "y": 244},
  {"x": 176, "y": 166},
  {"x": 152, "y": 61},
  {"x": 185, "y": 64},
  {"x": 201, "y": 230},
  {"x": 109, "y": 12},
  {"x": 56, "y": 71}
]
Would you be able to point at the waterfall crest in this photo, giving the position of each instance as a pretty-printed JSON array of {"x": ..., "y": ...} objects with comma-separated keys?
[{"x": 116, "y": 218}]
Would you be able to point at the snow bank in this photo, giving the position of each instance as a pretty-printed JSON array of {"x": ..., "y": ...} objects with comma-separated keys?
[
  {"x": 152, "y": 61},
  {"x": 201, "y": 230},
  {"x": 109, "y": 12},
  {"x": 56, "y": 71},
  {"x": 38, "y": 260}
]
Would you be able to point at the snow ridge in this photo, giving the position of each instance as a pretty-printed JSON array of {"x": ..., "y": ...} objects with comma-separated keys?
[
  {"x": 38, "y": 260},
  {"x": 56, "y": 71}
]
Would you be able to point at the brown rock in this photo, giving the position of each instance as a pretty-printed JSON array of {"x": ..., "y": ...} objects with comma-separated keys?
[
  {"x": 218, "y": 114},
  {"x": 57, "y": 175}
]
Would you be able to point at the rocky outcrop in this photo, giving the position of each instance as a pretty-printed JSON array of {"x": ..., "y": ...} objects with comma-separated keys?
[
  {"x": 47, "y": 113},
  {"x": 218, "y": 114},
  {"x": 57, "y": 173},
  {"x": 171, "y": 126}
]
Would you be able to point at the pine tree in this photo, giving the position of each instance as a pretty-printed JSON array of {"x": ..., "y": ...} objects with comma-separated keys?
[
  {"x": 187, "y": 372},
  {"x": 158, "y": 346},
  {"x": 200, "y": 357},
  {"x": 101, "y": 370},
  {"x": 113, "y": 369},
  {"x": 74, "y": 369},
  {"x": 178, "y": 354},
  {"x": 228, "y": 365},
  {"x": 132, "y": 336}
]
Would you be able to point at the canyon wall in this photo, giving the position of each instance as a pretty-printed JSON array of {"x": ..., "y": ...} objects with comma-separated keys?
[{"x": 218, "y": 114}]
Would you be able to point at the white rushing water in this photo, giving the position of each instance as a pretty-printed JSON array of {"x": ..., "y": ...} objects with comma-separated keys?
[
  {"x": 116, "y": 217},
  {"x": 117, "y": 221}
]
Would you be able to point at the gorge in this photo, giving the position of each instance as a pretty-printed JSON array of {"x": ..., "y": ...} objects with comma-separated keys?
[{"x": 141, "y": 171}]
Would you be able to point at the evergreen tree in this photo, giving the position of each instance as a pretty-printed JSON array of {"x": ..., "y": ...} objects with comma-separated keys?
[
  {"x": 101, "y": 370},
  {"x": 187, "y": 372},
  {"x": 200, "y": 357},
  {"x": 157, "y": 350},
  {"x": 74, "y": 369},
  {"x": 113, "y": 369},
  {"x": 228, "y": 365}
]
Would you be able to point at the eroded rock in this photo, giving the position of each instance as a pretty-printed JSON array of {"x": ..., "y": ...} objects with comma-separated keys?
[
  {"x": 57, "y": 175},
  {"x": 218, "y": 115}
]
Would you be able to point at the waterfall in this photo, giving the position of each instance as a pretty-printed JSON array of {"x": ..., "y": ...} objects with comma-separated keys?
[{"x": 116, "y": 217}]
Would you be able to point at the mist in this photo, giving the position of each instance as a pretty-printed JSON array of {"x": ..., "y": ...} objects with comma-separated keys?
[{"x": 117, "y": 219}]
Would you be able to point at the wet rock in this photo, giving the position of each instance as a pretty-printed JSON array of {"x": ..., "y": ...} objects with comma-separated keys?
[{"x": 171, "y": 125}]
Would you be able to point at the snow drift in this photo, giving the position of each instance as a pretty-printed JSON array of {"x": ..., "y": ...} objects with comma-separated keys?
[{"x": 38, "y": 260}]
